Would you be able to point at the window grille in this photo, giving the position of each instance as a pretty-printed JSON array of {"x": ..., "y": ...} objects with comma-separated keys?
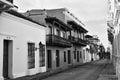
[
  {"x": 41, "y": 55},
  {"x": 31, "y": 55}
]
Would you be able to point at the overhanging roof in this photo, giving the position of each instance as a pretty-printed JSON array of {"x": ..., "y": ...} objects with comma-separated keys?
[
  {"x": 88, "y": 36},
  {"x": 77, "y": 26},
  {"x": 52, "y": 19},
  {"x": 15, "y": 13}
]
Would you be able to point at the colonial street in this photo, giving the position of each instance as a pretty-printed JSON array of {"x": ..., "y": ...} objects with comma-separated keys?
[
  {"x": 89, "y": 71},
  {"x": 45, "y": 40}
]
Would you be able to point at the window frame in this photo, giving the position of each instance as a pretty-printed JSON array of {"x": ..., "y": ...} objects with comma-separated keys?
[
  {"x": 65, "y": 56},
  {"x": 41, "y": 55},
  {"x": 31, "y": 55}
]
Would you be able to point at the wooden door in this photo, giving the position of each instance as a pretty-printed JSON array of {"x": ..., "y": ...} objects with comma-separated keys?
[
  {"x": 5, "y": 58},
  {"x": 69, "y": 57},
  {"x": 57, "y": 58},
  {"x": 78, "y": 59},
  {"x": 49, "y": 59}
]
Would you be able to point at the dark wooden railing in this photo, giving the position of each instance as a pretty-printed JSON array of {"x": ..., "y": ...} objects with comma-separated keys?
[
  {"x": 58, "y": 41},
  {"x": 78, "y": 41}
]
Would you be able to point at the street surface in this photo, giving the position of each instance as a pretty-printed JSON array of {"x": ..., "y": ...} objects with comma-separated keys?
[{"x": 88, "y": 71}]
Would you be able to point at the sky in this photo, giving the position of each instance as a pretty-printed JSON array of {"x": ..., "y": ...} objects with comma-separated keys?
[{"x": 93, "y": 13}]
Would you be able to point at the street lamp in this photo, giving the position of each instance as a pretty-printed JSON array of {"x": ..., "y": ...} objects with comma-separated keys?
[{"x": 40, "y": 45}]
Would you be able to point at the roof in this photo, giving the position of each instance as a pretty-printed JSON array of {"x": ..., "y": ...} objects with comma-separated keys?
[
  {"x": 15, "y": 13},
  {"x": 77, "y": 26},
  {"x": 67, "y": 10},
  {"x": 58, "y": 9},
  {"x": 51, "y": 19},
  {"x": 91, "y": 37},
  {"x": 88, "y": 36}
]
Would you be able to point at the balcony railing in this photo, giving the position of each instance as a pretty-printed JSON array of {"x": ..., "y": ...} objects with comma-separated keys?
[
  {"x": 110, "y": 23},
  {"x": 54, "y": 40},
  {"x": 78, "y": 41}
]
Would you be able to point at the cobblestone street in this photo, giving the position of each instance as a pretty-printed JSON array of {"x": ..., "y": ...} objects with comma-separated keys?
[{"x": 90, "y": 71}]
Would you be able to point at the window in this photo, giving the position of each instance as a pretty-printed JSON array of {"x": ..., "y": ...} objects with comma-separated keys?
[
  {"x": 64, "y": 35},
  {"x": 50, "y": 30},
  {"x": 64, "y": 56},
  {"x": 80, "y": 54},
  {"x": 31, "y": 55},
  {"x": 74, "y": 54},
  {"x": 72, "y": 33},
  {"x": 79, "y": 35},
  {"x": 75, "y": 34},
  {"x": 57, "y": 32},
  {"x": 83, "y": 36},
  {"x": 41, "y": 54},
  {"x": 68, "y": 34}
]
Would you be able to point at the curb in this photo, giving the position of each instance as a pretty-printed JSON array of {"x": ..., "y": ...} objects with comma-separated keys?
[{"x": 44, "y": 75}]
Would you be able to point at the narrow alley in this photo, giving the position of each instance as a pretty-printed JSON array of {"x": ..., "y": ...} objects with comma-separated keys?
[{"x": 89, "y": 71}]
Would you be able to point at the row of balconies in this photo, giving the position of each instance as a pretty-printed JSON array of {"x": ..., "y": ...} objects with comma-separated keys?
[
  {"x": 54, "y": 40},
  {"x": 78, "y": 41}
]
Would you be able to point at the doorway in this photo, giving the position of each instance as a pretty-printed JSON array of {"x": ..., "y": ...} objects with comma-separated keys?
[
  {"x": 78, "y": 59},
  {"x": 69, "y": 57},
  {"x": 57, "y": 58},
  {"x": 49, "y": 59},
  {"x": 7, "y": 57}
]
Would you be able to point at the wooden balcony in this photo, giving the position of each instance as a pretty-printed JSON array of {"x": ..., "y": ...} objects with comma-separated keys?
[
  {"x": 78, "y": 41},
  {"x": 110, "y": 23},
  {"x": 54, "y": 40}
]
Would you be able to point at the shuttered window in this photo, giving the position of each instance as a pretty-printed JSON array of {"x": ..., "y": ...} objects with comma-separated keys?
[
  {"x": 31, "y": 55},
  {"x": 41, "y": 55}
]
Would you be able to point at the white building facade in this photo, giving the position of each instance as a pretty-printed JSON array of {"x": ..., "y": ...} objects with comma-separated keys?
[
  {"x": 23, "y": 46},
  {"x": 114, "y": 32},
  {"x": 67, "y": 34}
]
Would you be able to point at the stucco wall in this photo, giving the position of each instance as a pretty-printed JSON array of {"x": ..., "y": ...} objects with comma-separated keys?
[
  {"x": 61, "y": 53},
  {"x": 21, "y": 32},
  {"x": 56, "y": 13}
]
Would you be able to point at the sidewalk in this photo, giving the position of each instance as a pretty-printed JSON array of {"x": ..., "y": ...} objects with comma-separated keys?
[
  {"x": 108, "y": 73},
  {"x": 41, "y": 76},
  {"x": 38, "y": 76}
]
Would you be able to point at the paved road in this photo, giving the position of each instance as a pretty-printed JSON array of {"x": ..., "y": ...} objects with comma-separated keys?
[{"x": 89, "y": 71}]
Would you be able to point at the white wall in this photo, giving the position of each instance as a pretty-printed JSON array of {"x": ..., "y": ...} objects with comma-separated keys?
[
  {"x": 77, "y": 48},
  {"x": 61, "y": 52},
  {"x": 87, "y": 56},
  {"x": 21, "y": 32},
  {"x": 61, "y": 56}
]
